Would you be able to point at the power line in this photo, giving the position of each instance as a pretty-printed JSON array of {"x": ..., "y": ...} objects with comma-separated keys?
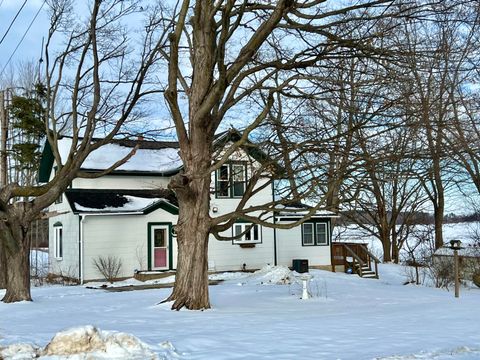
[
  {"x": 1, "y": 2},
  {"x": 11, "y": 23},
  {"x": 23, "y": 37}
]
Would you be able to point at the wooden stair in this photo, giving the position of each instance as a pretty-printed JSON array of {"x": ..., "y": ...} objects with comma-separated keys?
[{"x": 356, "y": 257}]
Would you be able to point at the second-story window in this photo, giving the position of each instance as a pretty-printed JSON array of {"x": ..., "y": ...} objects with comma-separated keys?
[{"x": 231, "y": 180}]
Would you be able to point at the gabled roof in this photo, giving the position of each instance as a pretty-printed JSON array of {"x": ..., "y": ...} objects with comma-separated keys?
[
  {"x": 157, "y": 158},
  {"x": 100, "y": 201}
]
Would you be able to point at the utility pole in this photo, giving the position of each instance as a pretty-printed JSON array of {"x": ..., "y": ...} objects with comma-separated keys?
[
  {"x": 3, "y": 139},
  {"x": 3, "y": 179}
]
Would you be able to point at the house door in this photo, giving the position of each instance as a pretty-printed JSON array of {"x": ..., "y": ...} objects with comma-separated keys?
[{"x": 159, "y": 243}]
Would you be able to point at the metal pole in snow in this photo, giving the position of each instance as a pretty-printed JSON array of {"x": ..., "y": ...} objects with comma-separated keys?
[{"x": 457, "y": 276}]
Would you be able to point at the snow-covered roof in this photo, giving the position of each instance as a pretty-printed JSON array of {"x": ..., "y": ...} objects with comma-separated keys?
[
  {"x": 299, "y": 210},
  {"x": 93, "y": 201},
  {"x": 157, "y": 157}
]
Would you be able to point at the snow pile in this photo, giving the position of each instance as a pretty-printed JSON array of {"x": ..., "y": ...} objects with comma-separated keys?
[
  {"x": 273, "y": 275},
  {"x": 86, "y": 342},
  {"x": 228, "y": 276},
  {"x": 18, "y": 352}
]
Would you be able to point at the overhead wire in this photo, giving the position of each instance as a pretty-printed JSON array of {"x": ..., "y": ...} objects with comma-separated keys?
[
  {"x": 23, "y": 37},
  {"x": 13, "y": 21}
]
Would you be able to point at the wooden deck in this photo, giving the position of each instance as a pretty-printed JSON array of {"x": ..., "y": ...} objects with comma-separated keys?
[{"x": 354, "y": 258}]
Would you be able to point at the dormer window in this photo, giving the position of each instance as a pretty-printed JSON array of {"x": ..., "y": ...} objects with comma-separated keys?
[{"x": 231, "y": 180}]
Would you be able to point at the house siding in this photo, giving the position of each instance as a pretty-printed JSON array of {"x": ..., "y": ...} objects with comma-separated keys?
[
  {"x": 289, "y": 247},
  {"x": 68, "y": 265},
  {"x": 124, "y": 237}
]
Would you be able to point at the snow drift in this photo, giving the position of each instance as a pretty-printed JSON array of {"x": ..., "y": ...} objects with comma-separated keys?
[{"x": 86, "y": 342}]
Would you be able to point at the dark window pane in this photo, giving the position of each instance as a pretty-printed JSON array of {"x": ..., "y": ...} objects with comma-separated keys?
[
  {"x": 248, "y": 235},
  {"x": 222, "y": 188},
  {"x": 60, "y": 242},
  {"x": 321, "y": 234},
  {"x": 159, "y": 238},
  {"x": 223, "y": 173},
  {"x": 238, "y": 188},
  {"x": 255, "y": 232}
]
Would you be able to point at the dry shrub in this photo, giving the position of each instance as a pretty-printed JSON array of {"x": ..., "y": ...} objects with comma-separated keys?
[{"x": 108, "y": 266}]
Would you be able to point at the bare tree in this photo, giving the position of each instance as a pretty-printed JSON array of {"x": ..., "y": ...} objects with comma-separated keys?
[
  {"x": 92, "y": 87},
  {"x": 238, "y": 50},
  {"x": 434, "y": 65},
  {"x": 389, "y": 195}
]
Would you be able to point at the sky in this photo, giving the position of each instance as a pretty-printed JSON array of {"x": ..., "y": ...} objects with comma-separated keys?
[{"x": 30, "y": 47}]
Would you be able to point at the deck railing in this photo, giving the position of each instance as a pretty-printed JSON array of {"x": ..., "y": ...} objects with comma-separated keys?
[{"x": 362, "y": 258}]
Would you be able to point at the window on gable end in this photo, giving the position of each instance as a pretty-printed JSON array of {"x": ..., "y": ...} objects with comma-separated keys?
[{"x": 231, "y": 180}]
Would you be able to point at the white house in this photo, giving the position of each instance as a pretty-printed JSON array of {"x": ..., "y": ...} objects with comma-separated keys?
[{"x": 130, "y": 214}]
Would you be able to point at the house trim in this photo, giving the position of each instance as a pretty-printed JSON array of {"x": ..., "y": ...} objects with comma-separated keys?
[
  {"x": 316, "y": 221},
  {"x": 149, "y": 244}
]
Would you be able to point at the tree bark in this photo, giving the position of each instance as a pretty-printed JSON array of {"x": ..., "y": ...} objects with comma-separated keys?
[
  {"x": 386, "y": 244},
  {"x": 3, "y": 267},
  {"x": 194, "y": 222},
  {"x": 18, "y": 267},
  {"x": 438, "y": 216}
]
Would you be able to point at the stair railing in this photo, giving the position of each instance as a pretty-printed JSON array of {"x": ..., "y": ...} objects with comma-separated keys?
[
  {"x": 355, "y": 258},
  {"x": 371, "y": 257}
]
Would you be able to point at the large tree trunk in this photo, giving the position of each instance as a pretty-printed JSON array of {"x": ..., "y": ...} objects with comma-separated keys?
[
  {"x": 191, "y": 281},
  {"x": 438, "y": 216},
  {"x": 387, "y": 246},
  {"x": 193, "y": 193},
  {"x": 18, "y": 267}
]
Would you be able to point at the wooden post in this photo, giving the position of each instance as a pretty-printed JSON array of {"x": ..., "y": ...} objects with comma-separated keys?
[{"x": 457, "y": 276}]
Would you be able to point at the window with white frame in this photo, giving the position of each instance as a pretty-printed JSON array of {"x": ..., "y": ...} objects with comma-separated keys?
[
  {"x": 314, "y": 234},
  {"x": 307, "y": 234},
  {"x": 58, "y": 242},
  {"x": 231, "y": 180},
  {"x": 321, "y": 234},
  {"x": 247, "y": 233}
]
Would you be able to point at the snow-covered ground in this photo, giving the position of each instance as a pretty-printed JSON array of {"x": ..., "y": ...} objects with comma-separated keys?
[{"x": 253, "y": 318}]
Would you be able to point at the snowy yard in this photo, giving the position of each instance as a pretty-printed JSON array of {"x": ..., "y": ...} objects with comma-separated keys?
[{"x": 349, "y": 318}]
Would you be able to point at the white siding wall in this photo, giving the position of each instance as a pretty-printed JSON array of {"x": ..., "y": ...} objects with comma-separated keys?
[
  {"x": 121, "y": 236},
  {"x": 126, "y": 236},
  {"x": 224, "y": 255},
  {"x": 68, "y": 265},
  {"x": 289, "y": 247}
]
